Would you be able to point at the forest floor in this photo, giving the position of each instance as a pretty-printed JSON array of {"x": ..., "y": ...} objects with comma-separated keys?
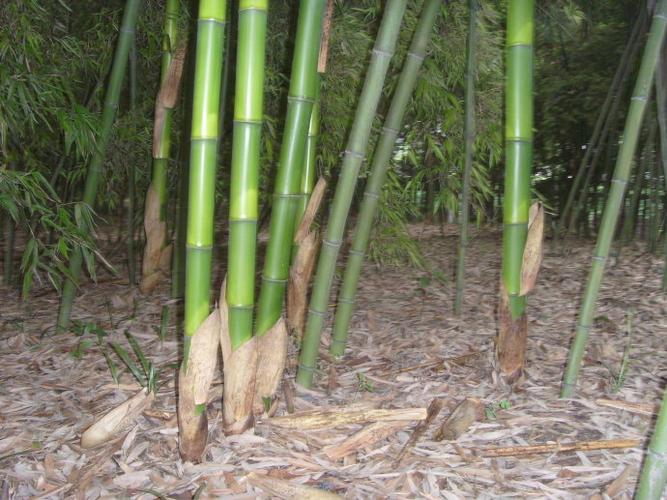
[{"x": 405, "y": 350}]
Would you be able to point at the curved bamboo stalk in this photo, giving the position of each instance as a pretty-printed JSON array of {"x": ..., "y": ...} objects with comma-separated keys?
[
  {"x": 245, "y": 168},
  {"x": 125, "y": 35},
  {"x": 300, "y": 101},
  {"x": 511, "y": 345},
  {"x": 470, "y": 141},
  {"x": 354, "y": 155},
  {"x": 616, "y": 194},
  {"x": 383, "y": 152}
]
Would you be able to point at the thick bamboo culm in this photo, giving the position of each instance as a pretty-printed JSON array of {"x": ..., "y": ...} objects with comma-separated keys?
[
  {"x": 604, "y": 119},
  {"x": 654, "y": 471},
  {"x": 616, "y": 194},
  {"x": 340, "y": 207},
  {"x": 243, "y": 208},
  {"x": 118, "y": 67},
  {"x": 381, "y": 161},
  {"x": 518, "y": 147},
  {"x": 203, "y": 156},
  {"x": 300, "y": 102},
  {"x": 469, "y": 133}
]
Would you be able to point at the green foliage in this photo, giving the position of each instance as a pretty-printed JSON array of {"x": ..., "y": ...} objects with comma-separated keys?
[
  {"x": 363, "y": 384},
  {"x": 146, "y": 375},
  {"x": 491, "y": 411}
]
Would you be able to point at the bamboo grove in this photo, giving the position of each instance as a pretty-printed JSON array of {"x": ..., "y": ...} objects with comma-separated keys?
[{"x": 280, "y": 157}]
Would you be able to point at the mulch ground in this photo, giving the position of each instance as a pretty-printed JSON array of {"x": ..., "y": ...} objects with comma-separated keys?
[{"x": 405, "y": 350}]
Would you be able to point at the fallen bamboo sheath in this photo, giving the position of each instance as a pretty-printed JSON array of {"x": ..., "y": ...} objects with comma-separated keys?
[
  {"x": 320, "y": 419},
  {"x": 468, "y": 411},
  {"x": 284, "y": 489},
  {"x": 365, "y": 438},
  {"x": 433, "y": 411},
  {"x": 514, "y": 451},
  {"x": 640, "y": 408}
]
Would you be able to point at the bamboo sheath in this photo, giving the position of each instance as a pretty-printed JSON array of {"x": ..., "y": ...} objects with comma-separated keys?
[
  {"x": 243, "y": 208},
  {"x": 203, "y": 154},
  {"x": 383, "y": 152},
  {"x": 616, "y": 194},
  {"x": 518, "y": 147},
  {"x": 604, "y": 119},
  {"x": 469, "y": 144},
  {"x": 300, "y": 102},
  {"x": 118, "y": 67},
  {"x": 354, "y": 155}
]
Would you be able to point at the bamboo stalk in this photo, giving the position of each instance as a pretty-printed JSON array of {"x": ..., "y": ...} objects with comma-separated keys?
[
  {"x": 334, "y": 417},
  {"x": 661, "y": 101},
  {"x": 366, "y": 437},
  {"x": 520, "y": 451},
  {"x": 125, "y": 35},
  {"x": 354, "y": 155},
  {"x": 654, "y": 471},
  {"x": 243, "y": 207},
  {"x": 300, "y": 104},
  {"x": 511, "y": 342},
  {"x": 616, "y": 194},
  {"x": 381, "y": 161},
  {"x": 607, "y": 111},
  {"x": 131, "y": 187},
  {"x": 469, "y": 144}
]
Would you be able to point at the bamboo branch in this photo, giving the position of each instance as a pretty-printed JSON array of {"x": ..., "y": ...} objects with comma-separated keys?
[
  {"x": 365, "y": 438},
  {"x": 640, "y": 408},
  {"x": 433, "y": 411},
  {"x": 333, "y": 417},
  {"x": 517, "y": 451}
]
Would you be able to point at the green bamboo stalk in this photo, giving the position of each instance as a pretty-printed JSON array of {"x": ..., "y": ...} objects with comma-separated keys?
[
  {"x": 661, "y": 101},
  {"x": 203, "y": 163},
  {"x": 309, "y": 171},
  {"x": 131, "y": 185},
  {"x": 383, "y": 152},
  {"x": 654, "y": 219},
  {"x": 354, "y": 155},
  {"x": 9, "y": 227},
  {"x": 616, "y": 193},
  {"x": 243, "y": 208},
  {"x": 654, "y": 471},
  {"x": 632, "y": 207},
  {"x": 302, "y": 93},
  {"x": 604, "y": 118},
  {"x": 518, "y": 147},
  {"x": 470, "y": 141},
  {"x": 95, "y": 168},
  {"x": 161, "y": 149}
]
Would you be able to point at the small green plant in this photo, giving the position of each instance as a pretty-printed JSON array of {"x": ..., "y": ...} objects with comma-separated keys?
[
  {"x": 363, "y": 384},
  {"x": 146, "y": 375},
  {"x": 164, "y": 324},
  {"x": 618, "y": 379},
  {"x": 267, "y": 401},
  {"x": 491, "y": 410},
  {"x": 83, "y": 330}
]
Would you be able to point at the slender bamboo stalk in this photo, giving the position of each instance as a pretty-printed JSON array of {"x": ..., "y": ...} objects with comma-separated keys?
[
  {"x": 131, "y": 185},
  {"x": 643, "y": 168},
  {"x": 383, "y": 152},
  {"x": 309, "y": 170},
  {"x": 605, "y": 115},
  {"x": 161, "y": 149},
  {"x": 518, "y": 154},
  {"x": 616, "y": 193},
  {"x": 654, "y": 471},
  {"x": 302, "y": 93},
  {"x": 470, "y": 141},
  {"x": 354, "y": 155},
  {"x": 111, "y": 97},
  {"x": 661, "y": 101},
  {"x": 654, "y": 219},
  {"x": 243, "y": 208},
  {"x": 9, "y": 227}
]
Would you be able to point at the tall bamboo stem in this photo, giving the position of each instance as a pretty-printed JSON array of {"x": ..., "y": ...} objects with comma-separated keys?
[
  {"x": 381, "y": 160},
  {"x": 131, "y": 184},
  {"x": 661, "y": 101},
  {"x": 616, "y": 194},
  {"x": 302, "y": 93},
  {"x": 605, "y": 116},
  {"x": 243, "y": 208},
  {"x": 354, "y": 155},
  {"x": 518, "y": 154},
  {"x": 470, "y": 141},
  {"x": 111, "y": 97}
]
